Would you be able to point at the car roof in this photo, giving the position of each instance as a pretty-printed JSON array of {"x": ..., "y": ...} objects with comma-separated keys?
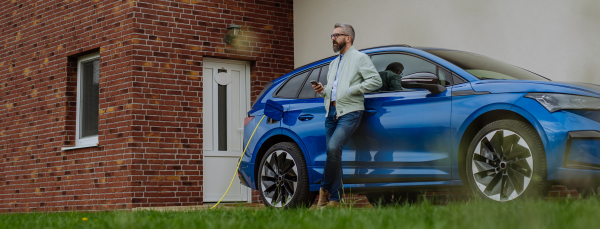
[{"x": 385, "y": 48}]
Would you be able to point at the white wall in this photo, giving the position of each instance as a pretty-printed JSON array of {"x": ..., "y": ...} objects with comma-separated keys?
[{"x": 557, "y": 39}]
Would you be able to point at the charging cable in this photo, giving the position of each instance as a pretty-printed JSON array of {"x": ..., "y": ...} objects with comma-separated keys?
[{"x": 238, "y": 166}]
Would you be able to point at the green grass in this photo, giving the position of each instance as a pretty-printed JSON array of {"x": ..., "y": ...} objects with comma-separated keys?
[{"x": 571, "y": 213}]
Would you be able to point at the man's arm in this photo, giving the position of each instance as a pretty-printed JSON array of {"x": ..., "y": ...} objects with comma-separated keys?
[{"x": 372, "y": 80}]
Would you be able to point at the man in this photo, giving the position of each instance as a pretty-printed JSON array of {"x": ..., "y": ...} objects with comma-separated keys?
[
  {"x": 391, "y": 78},
  {"x": 352, "y": 74}
]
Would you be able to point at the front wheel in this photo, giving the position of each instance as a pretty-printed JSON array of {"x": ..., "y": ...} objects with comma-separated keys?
[
  {"x": 506, "y": 161},
  {"x": 283, "y": 177}
]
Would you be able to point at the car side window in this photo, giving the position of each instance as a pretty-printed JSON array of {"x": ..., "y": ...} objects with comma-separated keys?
[
  {"x": 445, "y": 77},
  {"x": 323, "y": 75},
  {"x": 457, "y": 79},
  {"x": 393, "y": 66},
  {"x": 291, "y": 87},
  {"x": 307, "y": 92}
]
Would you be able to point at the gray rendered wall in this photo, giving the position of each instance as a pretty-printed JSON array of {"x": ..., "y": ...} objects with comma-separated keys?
[{"x": 557, "y": 39}]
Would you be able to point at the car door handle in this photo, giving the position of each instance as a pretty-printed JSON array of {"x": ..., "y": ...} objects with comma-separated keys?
[
  {"x": 370, "y": 112},
  {"x": 305, "y": 117}
]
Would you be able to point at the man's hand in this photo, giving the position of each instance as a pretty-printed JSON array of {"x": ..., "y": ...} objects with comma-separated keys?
[{"x": 318, "y": 88}]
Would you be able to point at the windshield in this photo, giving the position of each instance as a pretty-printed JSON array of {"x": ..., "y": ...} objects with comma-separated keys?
[{"x": 485, "y": 68}]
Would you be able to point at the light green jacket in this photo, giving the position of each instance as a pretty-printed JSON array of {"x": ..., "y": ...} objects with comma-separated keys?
[{"x": 357, "y": 75}]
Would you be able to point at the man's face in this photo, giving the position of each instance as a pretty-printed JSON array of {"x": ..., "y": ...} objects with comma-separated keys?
[{"x": 339, "y": 43}]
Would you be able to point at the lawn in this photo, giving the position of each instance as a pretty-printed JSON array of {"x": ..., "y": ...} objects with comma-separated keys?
[{"x": 569, "y": 213}]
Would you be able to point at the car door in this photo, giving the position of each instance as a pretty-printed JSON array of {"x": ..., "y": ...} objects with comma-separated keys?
[{"x": 405, "y": 134}]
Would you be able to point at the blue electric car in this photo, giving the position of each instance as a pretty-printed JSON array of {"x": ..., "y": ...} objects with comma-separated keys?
[{"x": 460, "y": 120}]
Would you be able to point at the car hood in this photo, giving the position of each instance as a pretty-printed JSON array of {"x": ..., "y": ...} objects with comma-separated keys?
[{"x": 525, "y": 86}]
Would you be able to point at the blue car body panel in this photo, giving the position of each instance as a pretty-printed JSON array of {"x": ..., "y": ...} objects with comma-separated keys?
[{"x": 396, "y": 148}]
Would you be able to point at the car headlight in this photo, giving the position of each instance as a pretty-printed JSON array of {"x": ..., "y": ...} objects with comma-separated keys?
[{"x": 554, "y": 102}]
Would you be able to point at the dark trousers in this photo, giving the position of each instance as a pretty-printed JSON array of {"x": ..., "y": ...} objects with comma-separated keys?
[{"x": 337, "y": 132}]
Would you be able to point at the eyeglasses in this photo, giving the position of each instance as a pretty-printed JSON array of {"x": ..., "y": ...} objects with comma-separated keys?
[{"x": 336, "y": 35}]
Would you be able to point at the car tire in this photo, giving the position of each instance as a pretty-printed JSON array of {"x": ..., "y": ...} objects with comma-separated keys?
[
  {"x": 392, "y": 199},
  {"x": 505, "y": 161},
  {"x": 283, "y": 177}
]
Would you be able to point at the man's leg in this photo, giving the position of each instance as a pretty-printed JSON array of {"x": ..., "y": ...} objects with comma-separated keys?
[
  {"x": 332, "y": 174},
  {"x": 330, "y": 124}
]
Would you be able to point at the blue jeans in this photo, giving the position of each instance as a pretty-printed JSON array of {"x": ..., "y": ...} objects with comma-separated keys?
[{"x": 337, "y": 132}]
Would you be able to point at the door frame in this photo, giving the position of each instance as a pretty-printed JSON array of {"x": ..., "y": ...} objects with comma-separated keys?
[{"x": 248, "y": 78}]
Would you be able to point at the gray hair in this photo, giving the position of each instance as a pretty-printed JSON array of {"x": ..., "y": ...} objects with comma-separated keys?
[{"x": 347, "y": 29}]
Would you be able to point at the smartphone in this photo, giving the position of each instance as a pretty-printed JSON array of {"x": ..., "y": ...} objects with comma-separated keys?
[{"x": 314, "y": 82}]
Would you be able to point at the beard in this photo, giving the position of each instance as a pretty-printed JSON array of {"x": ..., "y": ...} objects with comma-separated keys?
[{"x": 338, "y": 46}]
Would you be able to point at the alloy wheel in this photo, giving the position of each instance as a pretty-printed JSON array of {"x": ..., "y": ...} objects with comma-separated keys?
[
  {"x": 279, "y": 178},
  {"x": 502, "y": 165}
]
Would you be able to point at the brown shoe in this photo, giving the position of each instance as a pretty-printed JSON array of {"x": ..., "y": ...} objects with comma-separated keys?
[
  {"x": 323, "y": 198},
  {"x": 333, "y": 204}
]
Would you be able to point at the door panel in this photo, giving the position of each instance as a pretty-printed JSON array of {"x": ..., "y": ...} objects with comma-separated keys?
[
  {"x": 224, "y": 108},
  {"x": 407, "y": 138},
  {"x": 405, "y": 134}
]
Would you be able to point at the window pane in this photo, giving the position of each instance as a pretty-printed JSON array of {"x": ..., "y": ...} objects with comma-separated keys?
[
  {"x": 457, "y": 79},
  {"x": 290, "y": 89},
  {"x": 90, "y": 80},
  {"x": 399, "y": 65},
  {"x": 445, "y": 77},
  {"x": 323, "y": 75},
  {"x": 307, "y": 91},
  {"x": 411, "y": 64},
  {"x": 222, "y": 123}
]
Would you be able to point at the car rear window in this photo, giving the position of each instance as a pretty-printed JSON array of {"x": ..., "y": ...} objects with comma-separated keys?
[{"x": 267, "y": 86}]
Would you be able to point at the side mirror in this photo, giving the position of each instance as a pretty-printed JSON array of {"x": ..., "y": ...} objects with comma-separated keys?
[
  {"x": 274, "y": 110},
  {"x": 423, "y": 80}
]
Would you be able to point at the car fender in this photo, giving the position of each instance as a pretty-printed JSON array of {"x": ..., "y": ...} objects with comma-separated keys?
[
  {"x": 508, "y": 107},
  {"x": 551, "y": 131},
  {"x": 247, "y": 166},
  {"x": 298, "y": 141},
  {"x": 465, "y": 109},
  {"x": 268, "y": 135}
]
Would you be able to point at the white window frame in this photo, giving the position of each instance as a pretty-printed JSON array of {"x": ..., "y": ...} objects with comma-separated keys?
[{"x": 90, "y": 141}]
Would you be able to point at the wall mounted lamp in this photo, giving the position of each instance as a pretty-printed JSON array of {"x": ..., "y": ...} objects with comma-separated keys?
[{"x": 232, "y": 32}]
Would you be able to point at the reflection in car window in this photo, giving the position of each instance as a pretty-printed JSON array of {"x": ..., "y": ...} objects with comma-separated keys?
[
  {"x": 392, "y": 80},
  {"x": 484, "y": 67},
  {"x": 307, "y": 91},
  {"x": 411, "y": 64},
  {"x": 291, "y": 87}
]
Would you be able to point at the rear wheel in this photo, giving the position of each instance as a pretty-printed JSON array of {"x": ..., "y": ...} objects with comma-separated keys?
[
  {"x": 506, "y": 161},
  {"x": 283, "y": 177}
]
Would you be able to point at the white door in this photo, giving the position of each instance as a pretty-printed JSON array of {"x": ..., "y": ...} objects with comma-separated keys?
[{"x": 226, "y": 100}]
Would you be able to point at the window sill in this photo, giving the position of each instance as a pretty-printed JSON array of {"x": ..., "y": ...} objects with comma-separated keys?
[{"x": 79, "y": 147}]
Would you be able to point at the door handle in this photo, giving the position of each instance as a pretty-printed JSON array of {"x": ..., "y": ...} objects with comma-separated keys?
[
  {"x": 370, "y": 112},
  {"x": 305, "y": 117}
]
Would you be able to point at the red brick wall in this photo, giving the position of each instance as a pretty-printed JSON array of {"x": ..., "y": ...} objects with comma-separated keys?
[{"x": 150, "y": 121}]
